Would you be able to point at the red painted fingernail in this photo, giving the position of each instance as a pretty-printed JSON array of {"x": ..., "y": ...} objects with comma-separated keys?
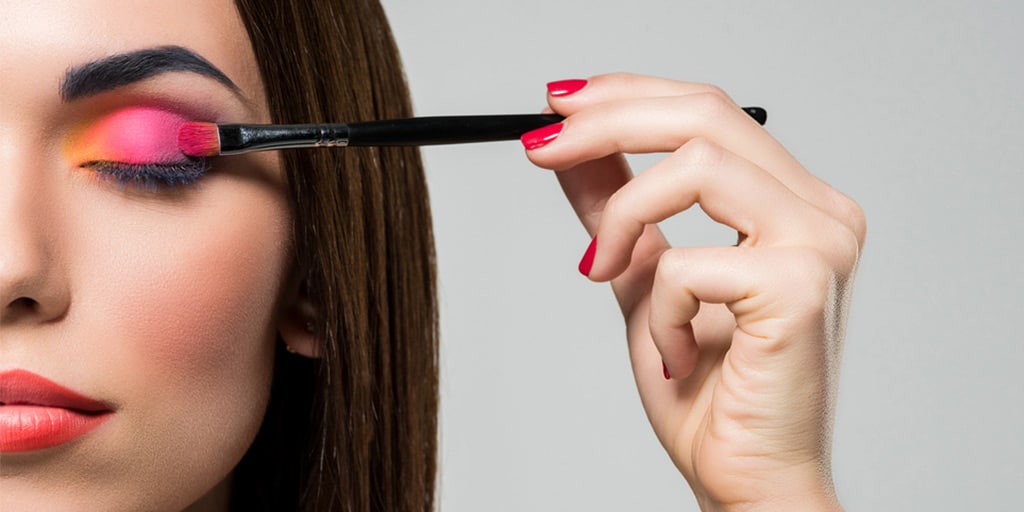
[
  {"x": 664, "y": 371},
  {"x": 565, "y": 87},
  {"x": 541, "y": 136},
  {"x": 588, "y": 258}
]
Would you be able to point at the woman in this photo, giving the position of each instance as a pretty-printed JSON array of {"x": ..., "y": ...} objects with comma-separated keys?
[{"x": 259, "y": 332}]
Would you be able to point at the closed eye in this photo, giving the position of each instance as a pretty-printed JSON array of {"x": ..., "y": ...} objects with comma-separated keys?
[{"x": 150, "y": 177}]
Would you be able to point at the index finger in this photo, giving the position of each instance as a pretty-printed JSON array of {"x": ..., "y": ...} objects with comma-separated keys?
[{"x": 632, "y": 113}]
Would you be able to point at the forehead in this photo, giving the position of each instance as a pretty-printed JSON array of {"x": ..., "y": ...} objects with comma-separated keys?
[{"x": 41, "y": 39}]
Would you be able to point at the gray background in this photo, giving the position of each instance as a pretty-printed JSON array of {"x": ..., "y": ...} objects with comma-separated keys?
[{"x": 912, "y": 108}]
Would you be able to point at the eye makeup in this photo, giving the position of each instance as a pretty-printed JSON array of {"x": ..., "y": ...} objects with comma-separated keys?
[{"x": 135, "y": 145}]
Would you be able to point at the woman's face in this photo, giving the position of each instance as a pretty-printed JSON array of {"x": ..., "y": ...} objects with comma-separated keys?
[{"x": 155, "y": 300}]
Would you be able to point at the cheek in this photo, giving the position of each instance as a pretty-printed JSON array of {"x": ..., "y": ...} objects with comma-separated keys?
[
  {"x": 207, "y": 294},
  {"x": 201, "y": 303},
  {"x": 185, "y": 312},
  {"x": 205, "y": 311}
]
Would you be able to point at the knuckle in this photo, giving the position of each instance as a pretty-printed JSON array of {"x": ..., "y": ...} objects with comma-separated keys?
[
  {"x": 811, "y": 274},
  {"x": 716, "y": 91},
  {"x": 712, "y": 106},
  {"x": 617, "y": 211},
  {"x": 837, "y": 244},
  {"x": 671, "y": 267},
  {"x": 847, "y": 245},
  {"x": 851, "y": 214},
  {"x": 701, "y": 153}
]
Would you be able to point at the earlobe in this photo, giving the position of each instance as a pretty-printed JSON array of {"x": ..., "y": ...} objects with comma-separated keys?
[{"x": 297, "y": 327}]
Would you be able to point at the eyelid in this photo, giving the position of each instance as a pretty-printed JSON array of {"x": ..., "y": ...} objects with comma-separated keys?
[
  {"x": 150, "y": 176},
  {"x": 135, "y": 134}
]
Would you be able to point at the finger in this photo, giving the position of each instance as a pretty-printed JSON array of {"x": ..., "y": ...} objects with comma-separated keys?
[
  {"x": 704, "y": 107},
  {"x": 730, "y": 190},
  {"x": 669, "y": 319},
  {"x": 662, "y": 124},
  {"x": 710, "y": 113},
  {"x": 777, "y": 295},
  {"x": 571, "y": 96},
  {"x": 645, "y": 125},
  {"x": 588, "y": 187}
]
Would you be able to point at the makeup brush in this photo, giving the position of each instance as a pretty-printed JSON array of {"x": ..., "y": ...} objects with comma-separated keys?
[{"x": 209, "y": 139}]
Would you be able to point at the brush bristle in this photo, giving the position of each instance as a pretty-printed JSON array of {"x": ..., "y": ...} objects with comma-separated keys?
[{"x": 199, "y": 139}]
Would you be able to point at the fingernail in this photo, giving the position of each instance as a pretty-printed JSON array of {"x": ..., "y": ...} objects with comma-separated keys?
[
  {"x": 588, "y": 257},
  {"x": 664, "y": 371},
  {"x": 565, "y": 87},
  {"x": 541, "y": 136}
]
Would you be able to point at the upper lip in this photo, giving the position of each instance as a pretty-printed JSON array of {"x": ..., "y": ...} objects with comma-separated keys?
[{"x": 22, "y": 387}]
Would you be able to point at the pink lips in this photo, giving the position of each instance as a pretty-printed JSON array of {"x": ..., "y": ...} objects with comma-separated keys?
[{"x": 36, "y": 413}]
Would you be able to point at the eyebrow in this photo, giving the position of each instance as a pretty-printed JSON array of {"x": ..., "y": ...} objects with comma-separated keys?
[{"x": 123, "y": 69}]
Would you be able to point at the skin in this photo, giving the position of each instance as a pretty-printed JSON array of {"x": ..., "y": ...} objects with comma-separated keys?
[
  {"x": 163, "y": 304},
  {"x": 750, "y": 334}
]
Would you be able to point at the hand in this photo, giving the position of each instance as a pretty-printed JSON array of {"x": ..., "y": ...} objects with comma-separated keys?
[{"x": 751, "y": 334}]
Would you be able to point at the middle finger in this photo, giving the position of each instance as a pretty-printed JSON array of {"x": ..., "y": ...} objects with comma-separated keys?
[{"x": 730, "y": 189}]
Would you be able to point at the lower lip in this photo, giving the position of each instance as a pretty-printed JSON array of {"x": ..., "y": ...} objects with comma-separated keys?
[{"x": 26, "y": 428}]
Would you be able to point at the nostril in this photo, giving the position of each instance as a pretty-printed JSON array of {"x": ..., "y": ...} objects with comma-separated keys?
[
  {"x": 17, "y": 306},
  {"x": 21, "y": 306}
]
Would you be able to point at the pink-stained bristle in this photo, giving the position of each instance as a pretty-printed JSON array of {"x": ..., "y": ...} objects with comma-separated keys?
[{"x": 199, "y": 139}]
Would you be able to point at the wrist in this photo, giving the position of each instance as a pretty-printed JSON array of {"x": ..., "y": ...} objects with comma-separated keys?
[
  {"x": 804, "y": 489},
  {"x": 811, "y": 502}
]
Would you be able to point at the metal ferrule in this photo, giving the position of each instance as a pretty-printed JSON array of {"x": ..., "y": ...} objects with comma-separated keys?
[{"x": 240, "y": 138}]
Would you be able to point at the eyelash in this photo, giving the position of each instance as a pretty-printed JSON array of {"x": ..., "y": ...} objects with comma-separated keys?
[{"x": 150, "y": 177}]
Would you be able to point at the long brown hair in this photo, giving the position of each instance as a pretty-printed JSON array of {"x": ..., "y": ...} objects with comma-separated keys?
[{"x": 355, "y": 430}]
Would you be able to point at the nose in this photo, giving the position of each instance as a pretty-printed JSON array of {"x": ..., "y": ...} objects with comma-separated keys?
[{"x": 32, "y": 284}]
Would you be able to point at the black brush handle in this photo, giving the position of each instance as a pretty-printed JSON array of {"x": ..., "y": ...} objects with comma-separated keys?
[
  {"x": 414, "y": 131},
  {"x": 426, "y": 131},
  {"x": 759, "y": 114}
]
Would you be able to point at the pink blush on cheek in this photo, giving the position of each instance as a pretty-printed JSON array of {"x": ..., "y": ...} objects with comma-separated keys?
[{"x": 136, "y": 135}]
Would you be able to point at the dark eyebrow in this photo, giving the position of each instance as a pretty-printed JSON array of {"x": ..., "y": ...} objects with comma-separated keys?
[{"x": 126, "y": 68}]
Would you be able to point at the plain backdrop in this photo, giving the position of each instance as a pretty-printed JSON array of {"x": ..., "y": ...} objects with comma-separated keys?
[{"x": 913, "y": 108}]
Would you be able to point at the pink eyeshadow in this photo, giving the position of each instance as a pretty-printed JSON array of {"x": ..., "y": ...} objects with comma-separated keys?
[{"x": 135, "y": 135}]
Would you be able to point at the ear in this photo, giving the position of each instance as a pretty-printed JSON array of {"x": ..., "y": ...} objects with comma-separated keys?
[{"x": 297, "y": 325}]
